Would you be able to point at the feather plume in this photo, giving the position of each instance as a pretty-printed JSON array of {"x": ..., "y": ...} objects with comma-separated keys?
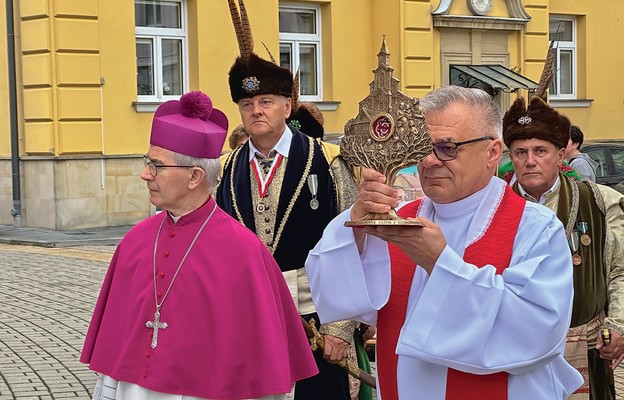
[
  {"x": 295, "y": 92},
  {"x": 242, "y": 28},
  {"x": 249, "y": 43},
  {"x": 270, "y": 55},
  {"x": 548, "y": 73}
]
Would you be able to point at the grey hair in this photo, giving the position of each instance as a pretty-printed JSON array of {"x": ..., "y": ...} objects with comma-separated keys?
[
  {"x": 481, "y": 103},
  {"x": 211, "y": 166}
]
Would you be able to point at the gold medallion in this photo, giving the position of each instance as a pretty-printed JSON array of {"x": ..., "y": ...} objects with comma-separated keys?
[
  {"x": 576, "y": 259},
  {"x": 585, "y": 239}
]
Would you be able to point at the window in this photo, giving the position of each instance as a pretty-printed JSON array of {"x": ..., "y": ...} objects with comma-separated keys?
[
  {"x": 300, "y": 47},
  {"x": 563, "y": 31},
  {"x": 160, "y": 49}
]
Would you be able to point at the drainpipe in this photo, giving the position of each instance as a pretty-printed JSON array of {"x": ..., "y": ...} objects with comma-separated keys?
[{"x": 16, "y": 211}]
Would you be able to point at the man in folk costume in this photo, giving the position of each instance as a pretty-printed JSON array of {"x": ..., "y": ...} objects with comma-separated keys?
[
  {"x": 474, "y": 304},
  {"x": 593, "y": 217},
  {"x": 285, "y": 187},
  {"x": 193, "y": 305}
]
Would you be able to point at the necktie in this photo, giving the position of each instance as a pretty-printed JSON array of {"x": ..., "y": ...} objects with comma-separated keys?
[{"x": 266, "y": 162}]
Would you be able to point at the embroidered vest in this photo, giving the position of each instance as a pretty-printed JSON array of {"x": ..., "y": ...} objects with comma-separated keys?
[
  {"x": 581, "y": 202},
  {"x": 460, "y": 386},
  {"x": 590, "y": 280},
  {"x": 297, "y": 226}
]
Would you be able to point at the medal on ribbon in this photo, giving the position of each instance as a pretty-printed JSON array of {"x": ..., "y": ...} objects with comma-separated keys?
[
  {"x": 573, "y": 241},
  {"x": 313, "y": 187},
  {"x": 264, "y": 181},
  {"x": 584, "y": 228}
]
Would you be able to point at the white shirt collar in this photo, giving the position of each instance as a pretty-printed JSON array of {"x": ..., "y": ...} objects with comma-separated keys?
[
  {"x": 542, "y": 199},
  {"x": 282, "y": 146}
]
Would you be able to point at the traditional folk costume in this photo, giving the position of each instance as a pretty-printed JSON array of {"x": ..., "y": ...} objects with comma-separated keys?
[
  {"x": 194, "y": 307},
  {"x": 304, "y": 193},
  {"x": 288, "y": 198},
  {"x": 593, "y": 217},
  {"x": 490, "y": 320}
]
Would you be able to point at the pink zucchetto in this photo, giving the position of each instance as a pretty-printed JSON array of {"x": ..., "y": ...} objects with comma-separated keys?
[{"x": 190, "y": 126}]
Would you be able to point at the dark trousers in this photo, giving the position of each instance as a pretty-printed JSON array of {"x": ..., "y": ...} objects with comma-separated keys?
[
  {"x": 601, "y": 386},
  {"x": 331, "y": 383}
]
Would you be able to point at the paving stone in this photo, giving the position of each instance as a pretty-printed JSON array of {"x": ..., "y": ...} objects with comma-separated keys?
[{"x": 47, "y": 299}]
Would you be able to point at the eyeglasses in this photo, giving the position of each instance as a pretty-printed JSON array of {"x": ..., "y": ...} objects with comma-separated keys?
[
  {"x": 153, "y": 168},
  {"x": 447, "y": 151}
]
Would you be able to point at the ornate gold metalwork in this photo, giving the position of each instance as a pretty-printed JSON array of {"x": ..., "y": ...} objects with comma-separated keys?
[{"x": 388, "y": 134}]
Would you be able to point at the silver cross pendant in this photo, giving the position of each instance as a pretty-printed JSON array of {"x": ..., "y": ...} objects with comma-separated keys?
[{"x": 155, "y": 325}]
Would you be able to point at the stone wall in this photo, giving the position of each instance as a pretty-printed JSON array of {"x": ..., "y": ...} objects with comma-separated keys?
[
  {"x": 6, "y": 193},
  {"x": 77, "y": 192}
]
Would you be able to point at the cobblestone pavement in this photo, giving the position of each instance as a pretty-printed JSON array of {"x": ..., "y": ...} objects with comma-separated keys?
[
  {"x": 46, "y": 298},
  {"x": 47, "y": 295}
]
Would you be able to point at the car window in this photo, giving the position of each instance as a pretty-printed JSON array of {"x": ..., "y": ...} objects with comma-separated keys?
[
  {"x": 618, "y": 160},
  {"x": 600, "y": 157}
]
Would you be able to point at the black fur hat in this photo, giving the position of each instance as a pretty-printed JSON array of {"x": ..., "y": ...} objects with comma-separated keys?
[{"x": 252, "y": 75}]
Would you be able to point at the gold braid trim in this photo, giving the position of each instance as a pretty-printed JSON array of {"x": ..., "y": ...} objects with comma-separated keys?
[
  {"x": 340, "y": 329},
  {"x": 573, "y": 207},
  {"x": 344, "y": 177},
  {"x": 232, "y": 194},
  {"x": 302, "y": 182},
  {"x": 294, "y": 198},
  {"x": 600, "y": 203},
  {"x": 597, "y": 196}
]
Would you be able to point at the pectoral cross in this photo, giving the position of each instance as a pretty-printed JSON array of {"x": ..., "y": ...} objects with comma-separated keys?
[{"x": 155, "y": 326}]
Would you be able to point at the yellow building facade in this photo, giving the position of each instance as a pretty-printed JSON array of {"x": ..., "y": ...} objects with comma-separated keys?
[{"x": 89, "y": 75}]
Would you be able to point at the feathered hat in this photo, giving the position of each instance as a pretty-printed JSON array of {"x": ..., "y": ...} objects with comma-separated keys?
[
  {"x": 537, "y": 121},
  {"x": 305, "y": 117},
  {"x": 190, "y": 126},
  {"x": 251, "y": 75}
]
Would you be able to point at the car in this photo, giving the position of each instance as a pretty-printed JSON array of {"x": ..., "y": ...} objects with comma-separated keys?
[{"x": 609, "y": 154}]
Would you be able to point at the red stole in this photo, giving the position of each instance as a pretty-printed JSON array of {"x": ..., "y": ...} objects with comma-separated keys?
[{"x": 459, "y": 385}]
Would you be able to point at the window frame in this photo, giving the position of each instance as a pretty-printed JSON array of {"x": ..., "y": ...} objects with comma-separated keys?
[
  {"x": 295, "y": 40},
  {"x": 156, "y": 36},
  {"x": 567, "y": 46}
]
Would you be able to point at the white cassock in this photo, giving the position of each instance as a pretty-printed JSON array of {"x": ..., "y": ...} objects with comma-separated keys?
[
  {"x": 460, "y": 316},
  {"x": 107, "y": 388}
]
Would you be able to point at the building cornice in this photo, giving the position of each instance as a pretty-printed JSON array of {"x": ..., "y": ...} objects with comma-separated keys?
[
  {"x": 478, "y": 22},
  {"x": 518, "y": 17}
]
